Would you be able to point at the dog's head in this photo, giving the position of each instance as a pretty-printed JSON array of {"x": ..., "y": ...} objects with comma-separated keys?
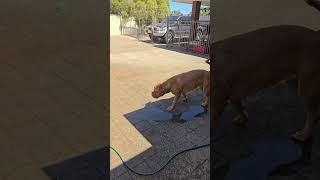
[{"x": 158, "y": 91}]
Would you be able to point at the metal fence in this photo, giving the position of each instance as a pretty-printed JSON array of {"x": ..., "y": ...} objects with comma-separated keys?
[
  {"x": 190, "y": 35},
  {"x": 132, "y": 31}
]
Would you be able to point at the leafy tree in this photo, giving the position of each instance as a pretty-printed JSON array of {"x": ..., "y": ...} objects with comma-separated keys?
[
  {"x": 144, "y": 11},
  {"x": 121, "y": 8},
  {"x": 204, "y": 11},
  {"x": 163, "y": 9},
  {"x": 176, "y": 12},
  {"x": 139, "y": 12},
  {"x": 151, "y": 11}
]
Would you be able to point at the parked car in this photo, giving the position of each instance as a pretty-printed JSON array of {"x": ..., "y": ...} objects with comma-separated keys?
[{"x": 179, "y": 27}]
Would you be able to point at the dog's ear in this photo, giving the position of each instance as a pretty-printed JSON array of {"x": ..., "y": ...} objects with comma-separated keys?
[{"x": 158, "y": 85}]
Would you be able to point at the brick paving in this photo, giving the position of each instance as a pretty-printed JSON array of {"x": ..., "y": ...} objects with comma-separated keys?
[{"x": 135, "y": 68}]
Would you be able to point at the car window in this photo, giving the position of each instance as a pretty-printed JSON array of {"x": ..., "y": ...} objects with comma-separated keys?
[
  {"x": 185, "y": 20},
  {"x": 171, "y": 19}
]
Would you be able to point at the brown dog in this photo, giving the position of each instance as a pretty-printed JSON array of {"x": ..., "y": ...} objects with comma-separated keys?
[
  {"x": 247, "y": 63},
  {"x": 183, "y": 83}
]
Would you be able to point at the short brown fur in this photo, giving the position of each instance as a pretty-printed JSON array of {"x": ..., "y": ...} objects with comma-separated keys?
[
  {"x": 183, "y": 83},
  {"x": 247, "y": 63}
]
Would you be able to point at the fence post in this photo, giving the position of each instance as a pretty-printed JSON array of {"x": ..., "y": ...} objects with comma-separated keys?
[
  {"x": 167, "y": 31},
  {"x": 180, "y": 25},
  {"x": 121, "y": 25},
  {"x": 137, "y": 34}
]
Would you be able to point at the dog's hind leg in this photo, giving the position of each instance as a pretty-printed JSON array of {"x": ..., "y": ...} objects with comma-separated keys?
[
  {"x": 310, "y": 121},
  {"x": 174, "y": 102},
  {"x": 206, "y": 93}
]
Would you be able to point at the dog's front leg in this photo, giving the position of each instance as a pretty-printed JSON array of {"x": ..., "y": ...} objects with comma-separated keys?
[
  {"x": 305, "y": 133},
  {"x": 174, "y": 103},
  {"x": 310, "y": 122},
  {"x": 185, "y": 97},
  {"x": 219, "y": 101},
  {"x": 206, "y": 94},
  {"x": 205, "y": 102},
  {"x": 206, "y": 98}
]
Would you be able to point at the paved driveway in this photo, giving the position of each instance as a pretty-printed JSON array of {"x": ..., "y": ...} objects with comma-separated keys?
[{"x": 135, "y": 68}]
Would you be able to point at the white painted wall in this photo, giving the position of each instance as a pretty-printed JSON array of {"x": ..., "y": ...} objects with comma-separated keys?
[{"x": 115, "y": 24}]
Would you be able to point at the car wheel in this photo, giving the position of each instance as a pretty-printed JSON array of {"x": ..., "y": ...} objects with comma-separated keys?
[
  {"x": 154, "y": 38},
  {"x": 168, "y": 37}
]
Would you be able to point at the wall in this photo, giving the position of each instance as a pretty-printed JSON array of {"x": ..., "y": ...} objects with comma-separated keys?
[
  {"x": 115, "y": 28},
  {"x": 115, "y": 24}
]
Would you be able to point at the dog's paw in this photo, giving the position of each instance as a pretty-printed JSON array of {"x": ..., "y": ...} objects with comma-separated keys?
[
  {"x": 170, "y": 108},
  {"x": 204, "y": 104},
  {"x": 301, "y": 136}
]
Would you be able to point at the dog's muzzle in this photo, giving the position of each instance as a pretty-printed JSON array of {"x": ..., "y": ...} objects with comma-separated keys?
[{"x": 154, "y": 95}]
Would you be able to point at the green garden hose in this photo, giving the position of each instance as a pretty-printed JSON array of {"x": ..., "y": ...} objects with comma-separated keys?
[{"x": 164, "y": 165}]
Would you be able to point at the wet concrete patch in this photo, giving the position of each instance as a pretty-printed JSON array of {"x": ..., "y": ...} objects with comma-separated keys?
[
  {"x": 192, "y": 112},
  {"x": 303, "y": 162},
  {"x": 155, "y": 112},
  {"x": 158, "y": 115},
  {"x": 268, "y": 155}
]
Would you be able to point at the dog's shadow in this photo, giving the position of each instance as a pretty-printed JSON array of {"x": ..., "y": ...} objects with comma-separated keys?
[
  {"x": 273, "y": 118},
  {"x": 288, "y": 159},
  {"x": 155, "y": 112}
]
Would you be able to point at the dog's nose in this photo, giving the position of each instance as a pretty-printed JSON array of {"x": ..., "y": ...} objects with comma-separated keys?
[{"x": 154, "y": 95}]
